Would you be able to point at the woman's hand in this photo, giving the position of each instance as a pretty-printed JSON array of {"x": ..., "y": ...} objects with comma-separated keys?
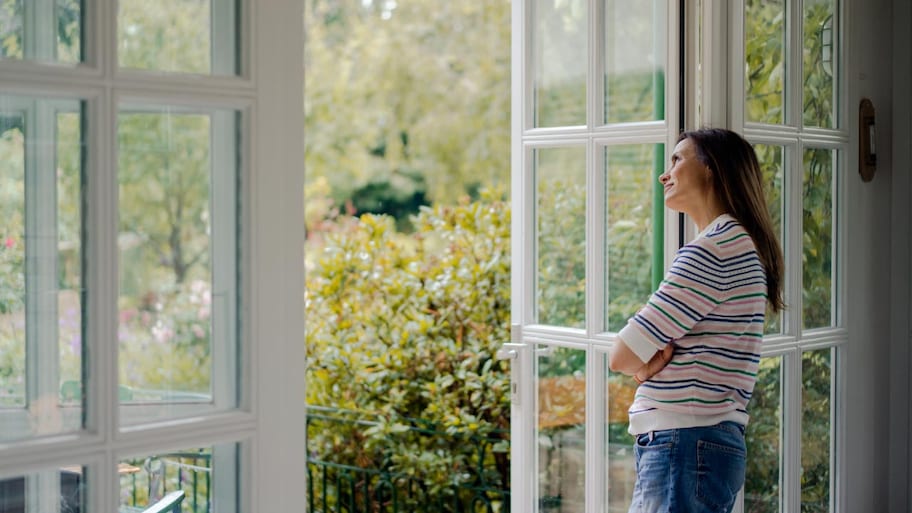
[{"x": 655, "y": 364}]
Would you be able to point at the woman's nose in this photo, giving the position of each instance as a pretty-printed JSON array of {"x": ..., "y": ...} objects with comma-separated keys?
[{"x": 663, "y": 178}]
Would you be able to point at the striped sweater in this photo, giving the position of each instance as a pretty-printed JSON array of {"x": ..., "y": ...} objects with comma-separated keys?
[{"x": 711, "y": 306}]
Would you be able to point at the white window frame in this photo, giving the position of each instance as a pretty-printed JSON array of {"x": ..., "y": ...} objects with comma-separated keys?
[
  {"x": 271, "y": 419},
  {"x": 594, "y": 137},
  {"x": 793, "y": 341}
]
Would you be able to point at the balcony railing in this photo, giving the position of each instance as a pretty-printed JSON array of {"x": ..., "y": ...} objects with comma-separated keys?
[{"x": 343, "y": 487}]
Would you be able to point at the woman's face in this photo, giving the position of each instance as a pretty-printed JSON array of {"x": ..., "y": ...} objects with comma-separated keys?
[{"x": 688, "y": 183}]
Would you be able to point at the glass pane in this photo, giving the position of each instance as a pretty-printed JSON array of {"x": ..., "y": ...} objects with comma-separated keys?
[
  {"x": 635, "y": 60},
  {"x": 178, "y": 249},
  {"x": 820, "y": 59},
  {"x": 630, "y": 183},
  {"x": 763, "y": 438},
  {"x": 41, "y": 30},
  {"x": 559, "y": 61},
  {"x": 561, "y": 429},
  {"x": 561, "y": 222},
  {"x": 621, "y": 475},
  {"x": 60, "y": 489},
  {"x": 183, "y": 36},
  {"x": 195, "y": 479},
  {"x": 818, "y": 238},
  {"x": 816, "y": 430},
  {"x": 772, "y": 165},
  {"x": 41, "y": 290},
  {"x": 764, "y": 34}
]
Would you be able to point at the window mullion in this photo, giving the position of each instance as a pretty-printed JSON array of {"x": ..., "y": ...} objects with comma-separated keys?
[
  {"x": 42, "y": 370},
  {"x": 794, "y": 243},
  {"x": 40, "y": 38},
  {"x": 794, "y": 83},
  {"x": 42, "y": 366},
  {"x": 225, "y": 218},
  {"x": 101, "y": 271},
  {"x": 790, "y": 480}
]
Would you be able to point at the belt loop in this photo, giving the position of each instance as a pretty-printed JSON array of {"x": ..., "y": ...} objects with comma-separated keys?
[{"x": 652, "y": 435}]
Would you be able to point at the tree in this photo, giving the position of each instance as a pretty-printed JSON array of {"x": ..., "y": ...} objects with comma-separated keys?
[{"x": 415, "y": 87}]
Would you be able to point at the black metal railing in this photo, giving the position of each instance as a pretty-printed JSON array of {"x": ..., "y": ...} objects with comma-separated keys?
[
  {"x": 478, "y": 486},
  {"x": 148, "y": 479}
]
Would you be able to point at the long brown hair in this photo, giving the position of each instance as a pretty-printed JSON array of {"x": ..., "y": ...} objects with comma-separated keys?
[{"x": 738, "y": 183}]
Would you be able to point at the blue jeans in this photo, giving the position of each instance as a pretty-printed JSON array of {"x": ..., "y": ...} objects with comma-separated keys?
[{"x": 689, "y": 470}]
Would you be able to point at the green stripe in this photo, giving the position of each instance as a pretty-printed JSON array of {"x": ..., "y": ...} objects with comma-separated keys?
[
  {"x": 703, "y": 333},
  {"x": 691, "y": 400},
  {"x": 695, "y": 291},
  {"x": 670, "y": 317},
  {"x": 746, "y": 296},
  {"x": 711, "y": 366},
  {"x": 733, "y": 238}
]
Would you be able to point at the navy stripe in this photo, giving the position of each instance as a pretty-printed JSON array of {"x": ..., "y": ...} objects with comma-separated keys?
[
  {"x": 679, "y": 305},
  {"x": 738, "y": 262},
  {"x": 696, "y": 383},
  {"x": 652, "y": 329},
  {"x": 721, "y": 287},
  {"x": 702, "y": 347},
  {"x": 723, "y": 228},
  {"x": 749, "y": 318}
]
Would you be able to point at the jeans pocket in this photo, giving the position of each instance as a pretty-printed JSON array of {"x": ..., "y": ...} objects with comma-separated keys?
[
  {"x": 720, "y": 471},
  {"x": 653, "y": 465}
]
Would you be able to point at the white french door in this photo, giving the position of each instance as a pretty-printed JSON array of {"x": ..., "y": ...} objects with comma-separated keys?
[
  {"x": 601, "y": 89},
  {"x": 151, "y": 195},
  {"x": 595, "y": 107}
]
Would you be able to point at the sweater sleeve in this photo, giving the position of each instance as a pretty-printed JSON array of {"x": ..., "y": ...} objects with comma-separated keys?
[{"x": 694, "y": 286}]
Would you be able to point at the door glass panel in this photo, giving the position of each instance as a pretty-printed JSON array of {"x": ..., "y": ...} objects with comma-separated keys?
[
  {"x": 818, "y": 238},
  {"x": 60, "y": 489},
  {"x": 772, "y": 167},
  {"x": 764, "y": 39},
  {"x": 559, "y": 61},
  {"x": 635, "y": 42},
  {"x": 42, "y": 30},
  {"x": 41, "y": 261},
  {"x": 820, "y": 38},
  {"x": 178, "y": 250},
  {"x": 560, "y": 215},
  {"x": 762, "y": 436},
  {"x": 561, "y": 429},
  {"x": 816, "y": 429},
  {"x": 621, "y": 475},
  {"x": 181, "y": 36},
  {"x": 195, "y": 479},
  {"x": 631, "y": 173}
]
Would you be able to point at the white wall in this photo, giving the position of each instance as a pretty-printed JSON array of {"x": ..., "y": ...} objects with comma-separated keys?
[{"x": 868, "y": 221}]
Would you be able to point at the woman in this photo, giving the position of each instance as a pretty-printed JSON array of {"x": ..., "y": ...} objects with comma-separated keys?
[{"x": 695, "y": 346}]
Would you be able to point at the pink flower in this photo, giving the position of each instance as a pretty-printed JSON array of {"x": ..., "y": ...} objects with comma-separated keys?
[{"x": 10, "y": 242}]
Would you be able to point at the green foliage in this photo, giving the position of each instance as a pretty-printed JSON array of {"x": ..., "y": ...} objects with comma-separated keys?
[
  {"x": 11, "y": 31},
  {"x": 168, "y": 35},
  {"x": 819, "y": 56},
  {"x": 164, "y": 198},
  {"x": 405, "y": 327},
  {"x": 816, "y": 426},
  {"x": 765, "y": 60},
  {"x": 67, "y": 14},
  {"x": 418, "y": 85},
  {"x": 398, "y": 198},
  {"x": 561, "y": 272},
  {"x": 762, "y": 437},
  {"x": 817, "y": 257},
  {"x": 164, "y": 340}
]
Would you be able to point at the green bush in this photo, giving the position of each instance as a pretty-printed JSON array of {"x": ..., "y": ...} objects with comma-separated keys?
[{"x": 404, "y": 327}]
